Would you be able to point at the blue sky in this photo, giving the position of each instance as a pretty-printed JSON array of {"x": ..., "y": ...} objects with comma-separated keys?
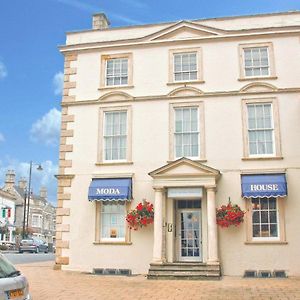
[{"x": 31, "y": 66}]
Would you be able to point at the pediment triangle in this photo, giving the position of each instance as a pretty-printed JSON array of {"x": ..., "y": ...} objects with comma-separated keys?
[
  {"x": 184, "y": 166},
  {"x": 183, "y": 30}
]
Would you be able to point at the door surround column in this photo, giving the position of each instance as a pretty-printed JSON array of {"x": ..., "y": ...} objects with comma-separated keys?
[
  {"x": 212, "y": 256},
  {"x": 158, "y": 225}
]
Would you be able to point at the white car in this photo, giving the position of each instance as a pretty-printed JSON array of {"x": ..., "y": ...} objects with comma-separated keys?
[{"x": 13, "y": 285}]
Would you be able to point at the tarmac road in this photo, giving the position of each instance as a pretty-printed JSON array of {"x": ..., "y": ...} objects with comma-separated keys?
[{"x": 25, "y": 258}]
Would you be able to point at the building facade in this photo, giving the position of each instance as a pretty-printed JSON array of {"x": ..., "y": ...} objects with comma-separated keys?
[
  {"x": 185, "y": 115},
  {"x": 7, "y": 217},
  {"x": 41, "y": 215}
]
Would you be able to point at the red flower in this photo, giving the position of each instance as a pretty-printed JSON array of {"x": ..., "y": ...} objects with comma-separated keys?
[
  {"x": 229, "y": 215},
  {"x": 141, "y": 216}
]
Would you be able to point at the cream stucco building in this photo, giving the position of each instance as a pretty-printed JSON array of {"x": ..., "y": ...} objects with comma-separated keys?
[{"x": 185, "y": 115}]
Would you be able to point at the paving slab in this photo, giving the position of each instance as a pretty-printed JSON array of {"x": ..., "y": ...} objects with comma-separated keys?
[{"x": 46, "y": 283}]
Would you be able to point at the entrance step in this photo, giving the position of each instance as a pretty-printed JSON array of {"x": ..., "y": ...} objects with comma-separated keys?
[{"x": 190, "y": 271}]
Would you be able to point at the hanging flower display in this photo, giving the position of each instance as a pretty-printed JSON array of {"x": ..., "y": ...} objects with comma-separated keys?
[
  {"x": 141, "y": 216},
  {"x": 230, "y": 214}
]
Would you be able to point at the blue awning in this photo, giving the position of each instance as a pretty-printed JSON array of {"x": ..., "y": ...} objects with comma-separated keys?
[
  {"x": 110, "y": 189},
  {"x": 264, "y": 185}
]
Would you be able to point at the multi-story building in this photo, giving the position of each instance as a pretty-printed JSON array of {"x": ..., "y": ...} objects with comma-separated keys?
[
  {"x": 186, "y": 115},
  {"x": 42, "y": 214},
  {"x": 7, "y": 217}
]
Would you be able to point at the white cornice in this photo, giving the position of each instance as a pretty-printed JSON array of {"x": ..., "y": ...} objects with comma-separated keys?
[{"x": 137, "y": 42}]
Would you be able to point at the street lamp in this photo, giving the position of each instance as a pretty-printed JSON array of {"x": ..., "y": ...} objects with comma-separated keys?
[{"x": 27, "y": 197}]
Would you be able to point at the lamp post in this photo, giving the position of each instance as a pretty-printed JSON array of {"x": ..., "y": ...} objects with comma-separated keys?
[{"x": 27, "y": 197}]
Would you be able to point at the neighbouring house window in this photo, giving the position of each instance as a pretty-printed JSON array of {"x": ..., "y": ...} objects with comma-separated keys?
[
  {"x": 256, "y": 61},
  {"x": 36, "y": 221},
  {"x": 185, "y": 66},
  {"x": 116, "y": 72},
  {"x": 112, "y": 220},
  {"x": 265, "y": 218},
  {"x": 115, "y": 135},
  {"x": 186, "y": 133},
  {"x": 260, "y": 129}
]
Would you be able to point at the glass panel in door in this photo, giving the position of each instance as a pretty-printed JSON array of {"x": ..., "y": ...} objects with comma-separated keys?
[{"x": 189, "y": 235}]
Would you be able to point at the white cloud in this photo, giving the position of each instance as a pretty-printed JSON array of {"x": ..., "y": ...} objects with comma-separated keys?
[
  {"x": 2, "y": 138},
  {"x": 44, "y": 178},
  {"x": 3, "y": 70},
  {"x": 47, "y": 129},
  {"x": 136, "y": 3},
  {"x": 81, "y": 5},
  {"x": 58, "y": 83}
]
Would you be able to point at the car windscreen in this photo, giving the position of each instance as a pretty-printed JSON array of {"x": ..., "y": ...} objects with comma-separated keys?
[{"x": 6, "y": 268}]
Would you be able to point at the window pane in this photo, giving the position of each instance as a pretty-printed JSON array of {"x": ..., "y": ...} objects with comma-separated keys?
[
  {"x": 273, "y": 217},
  {"x": 273, "y": 230},
  {"x": 255, "y": 217},
  {"x": 272, "y": 203},
  {"x": 256, "y": 231},
  {"x": 264, "y": 203}
]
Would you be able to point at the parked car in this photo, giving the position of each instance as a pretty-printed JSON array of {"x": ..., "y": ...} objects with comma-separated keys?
[
  {"x": 33, "y": 245},
  {"x": 13, "y": 285}
]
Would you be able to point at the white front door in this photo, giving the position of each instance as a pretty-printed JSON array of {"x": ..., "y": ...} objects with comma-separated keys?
[{"x": 188, "y": 232}]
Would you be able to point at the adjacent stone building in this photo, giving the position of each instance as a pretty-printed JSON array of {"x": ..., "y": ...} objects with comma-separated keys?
[
  {"x": 185, "y": 115},
  {"x": 7, "y": 217},
  {"x": 42, "y": 214}
]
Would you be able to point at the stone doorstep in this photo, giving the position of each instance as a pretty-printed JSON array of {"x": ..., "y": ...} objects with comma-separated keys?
[{"x": 189, "y": 271}]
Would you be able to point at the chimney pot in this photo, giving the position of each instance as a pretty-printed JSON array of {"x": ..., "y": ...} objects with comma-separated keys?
[
  {"x": 100, "y": 21},
  {"x": 9, "y": 180},
  {"x": 22, "y": 183}
]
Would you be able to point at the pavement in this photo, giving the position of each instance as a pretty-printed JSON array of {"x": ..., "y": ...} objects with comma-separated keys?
[{"x": 46, "y": 283}]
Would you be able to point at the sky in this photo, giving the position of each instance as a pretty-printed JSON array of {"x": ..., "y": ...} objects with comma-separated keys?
[{"x": 31, "y": 67}]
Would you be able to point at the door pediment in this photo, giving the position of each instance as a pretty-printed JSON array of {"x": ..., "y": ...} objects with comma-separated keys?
[{"x": 184, "y": 167}]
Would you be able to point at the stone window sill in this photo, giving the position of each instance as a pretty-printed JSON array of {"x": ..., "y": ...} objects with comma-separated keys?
[
  {"x": 257, "y": 78},
  {"x": 266, "y": 243},
  {"x": 113, "y": 243},
  {"x": 115, "y": 87},
  {"x": 185, "y": 82},
  {"x": 114, "y": 163},
  {"x": 196, "y": 160},
  {"x": 263, "y": 158}
]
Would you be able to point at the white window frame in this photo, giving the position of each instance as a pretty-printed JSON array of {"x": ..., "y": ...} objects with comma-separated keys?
[
  {"x": 110, "y": 239},
  {"x": 39, "y": 219},
  {"x": 189, "y": 71},
  {"x": 199, "y": 66},
  {"x": 271, "y": 61},
  {"x": 119, "y": 136},
  {"x": 201, "y": 128},
  {"x": 119, "y": 75},
  {"x": 272, "y": 129},
  {"x": 101, "y": 152},
  {"x": 190, "y": 132},
  {"x": 276, "y": 129},
  {"x": 277, "y": 238},
  {"x": 260, "y": 66},
  {"x": 103, "y": 76}
]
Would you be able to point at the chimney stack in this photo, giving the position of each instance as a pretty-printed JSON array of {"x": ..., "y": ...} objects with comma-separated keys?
[
  {"x": 22, "y": 183},
  {"x": 100, "y": 21},
  {"x": 9, "y": 180},
  {"x": 43, "y": 192}
]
